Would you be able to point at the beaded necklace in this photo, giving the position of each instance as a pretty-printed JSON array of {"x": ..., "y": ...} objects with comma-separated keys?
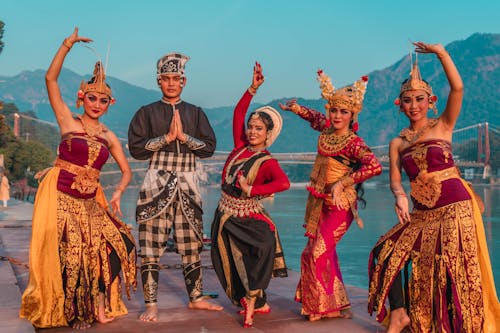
[
  {"x": 413, "y": 135},
  {"x": 92, "y": 130}
]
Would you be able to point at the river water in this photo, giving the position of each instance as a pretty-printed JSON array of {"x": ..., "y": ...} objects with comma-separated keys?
[{"x": 287, "y": 210}]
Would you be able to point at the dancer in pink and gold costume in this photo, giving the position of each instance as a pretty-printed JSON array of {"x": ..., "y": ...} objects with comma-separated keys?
[{"x": 343, "y": 162}]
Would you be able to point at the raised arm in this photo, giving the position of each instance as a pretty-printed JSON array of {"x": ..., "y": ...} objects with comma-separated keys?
[
  {"x": 239, "y": 135},
  {"x": 454, "y": 102},
  {"x": 61, "y": 110}
]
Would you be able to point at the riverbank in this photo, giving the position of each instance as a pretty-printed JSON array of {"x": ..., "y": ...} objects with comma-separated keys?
[{"x": 15, "y": 225}]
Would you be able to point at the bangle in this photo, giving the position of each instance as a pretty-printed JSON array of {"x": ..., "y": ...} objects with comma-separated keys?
[
  {"x": 399, "y": 194},
  {"x": 252, "y": 90},
  {"x": 67, "y": 43}
]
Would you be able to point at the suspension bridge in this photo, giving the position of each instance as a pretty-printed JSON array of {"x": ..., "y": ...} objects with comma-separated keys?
[{"x": 472, "y": 149}]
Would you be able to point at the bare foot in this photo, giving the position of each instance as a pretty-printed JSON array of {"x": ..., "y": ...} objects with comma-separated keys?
[
  {"x": 333, "y": 314},
  {"x": 102, "y": 318},
  {"x": 314, "y": 317},
  {"x": 347, "y": 314},
  {"x": 203, "y": 304},
  {"x": 151, "y": 313},
  {"x": 398, "y": 320},
  {"x": 80, "y": 325}
]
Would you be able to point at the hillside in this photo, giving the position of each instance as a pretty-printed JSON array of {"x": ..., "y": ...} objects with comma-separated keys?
[{"x": 477, "y": 58}]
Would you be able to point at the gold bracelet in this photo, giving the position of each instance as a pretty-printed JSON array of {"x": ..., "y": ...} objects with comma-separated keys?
[
  {"x": 67, "y": 43},
  {"x": 252, "y": 91}
]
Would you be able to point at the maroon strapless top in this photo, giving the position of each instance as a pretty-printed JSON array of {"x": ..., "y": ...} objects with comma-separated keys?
[
  {"x": 432, "y": 156},
  {"x": 81, "y": 150}
]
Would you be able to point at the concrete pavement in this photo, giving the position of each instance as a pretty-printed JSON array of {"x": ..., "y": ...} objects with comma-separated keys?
[{"x": 174, "y": 316}]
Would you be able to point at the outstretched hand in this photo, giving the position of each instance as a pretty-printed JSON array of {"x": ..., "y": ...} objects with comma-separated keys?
[
  {"x": 290, "y": 105},
  {"x": 422, "y": 47},
  {"x": 74, "y": 38}
]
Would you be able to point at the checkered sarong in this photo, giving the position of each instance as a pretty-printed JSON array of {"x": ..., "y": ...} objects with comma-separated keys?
[
  {"x": 164, "y": 160},
  {"x": 169, "y": 201}
]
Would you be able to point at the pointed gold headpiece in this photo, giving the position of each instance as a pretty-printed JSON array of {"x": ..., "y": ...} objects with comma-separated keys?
[
  {"x": 349, "y": 97},
  {"x": 415, "y": 82},
  {"x": 96, "y": 84}
]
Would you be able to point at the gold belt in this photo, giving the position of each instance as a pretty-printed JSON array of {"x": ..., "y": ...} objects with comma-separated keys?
[
  {"x": 426, "y": 188},
  {"x": 239, "y": 207},
  {"x": 86, "y": 179}
]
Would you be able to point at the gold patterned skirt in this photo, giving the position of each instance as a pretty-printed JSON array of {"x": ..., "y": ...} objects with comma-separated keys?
[
  {"x": 72, "y": 240},
  {"x": 440, "y": 249}
]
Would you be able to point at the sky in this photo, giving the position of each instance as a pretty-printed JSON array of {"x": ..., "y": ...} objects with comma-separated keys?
[{"x": 291, "y": 39}]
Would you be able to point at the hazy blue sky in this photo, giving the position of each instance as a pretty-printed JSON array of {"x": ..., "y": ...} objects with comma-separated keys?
[{"x": 291, "y": 39}]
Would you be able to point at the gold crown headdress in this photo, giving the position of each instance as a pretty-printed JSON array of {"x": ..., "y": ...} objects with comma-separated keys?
[
  {"x": 96, "y": 84},
  {"x": 415, "y": 82},
  {"x": 349, "y": 97}
]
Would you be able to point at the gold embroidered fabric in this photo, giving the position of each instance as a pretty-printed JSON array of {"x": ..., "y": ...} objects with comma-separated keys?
[
  {"x": 74, "y": 236},
  {"x": 239, "y": 207},
  {"x": 426, "y": 188},
  {"x": 325, "y": 171},
  {"x": 331, "y": 144},
  {"x": 86, "y": 178},
  {"x": 441, "y": 247}
]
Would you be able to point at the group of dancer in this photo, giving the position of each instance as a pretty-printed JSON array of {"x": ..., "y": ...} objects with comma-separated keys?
[{"x": 433, "y": 266}]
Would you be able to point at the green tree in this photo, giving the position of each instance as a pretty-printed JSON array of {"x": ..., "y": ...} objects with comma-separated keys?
[{"x": 23, "y": 159}]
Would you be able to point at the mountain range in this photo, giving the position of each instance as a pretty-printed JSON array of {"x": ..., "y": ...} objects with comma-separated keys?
[{"x": 477, "y": 58}]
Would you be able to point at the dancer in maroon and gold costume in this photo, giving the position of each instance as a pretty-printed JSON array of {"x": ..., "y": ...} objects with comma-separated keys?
[
  {"x": 440, "y": 246},
  {"x": 246, "y": 250},
  {"x": 78, "y": 245},
  {"x": 343, "y": 160}
]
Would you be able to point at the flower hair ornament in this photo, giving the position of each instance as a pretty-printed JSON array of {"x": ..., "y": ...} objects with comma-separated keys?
[
  {"x": 348, "y": 98},
  {"x": 96, "y": 84},
  {"x": 415, "y": 82}
]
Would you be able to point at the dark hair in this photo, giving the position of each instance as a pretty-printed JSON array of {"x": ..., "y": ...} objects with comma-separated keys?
[
  {"x": 361, "y": 191},
  {"x": 266, "y": 119}
]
